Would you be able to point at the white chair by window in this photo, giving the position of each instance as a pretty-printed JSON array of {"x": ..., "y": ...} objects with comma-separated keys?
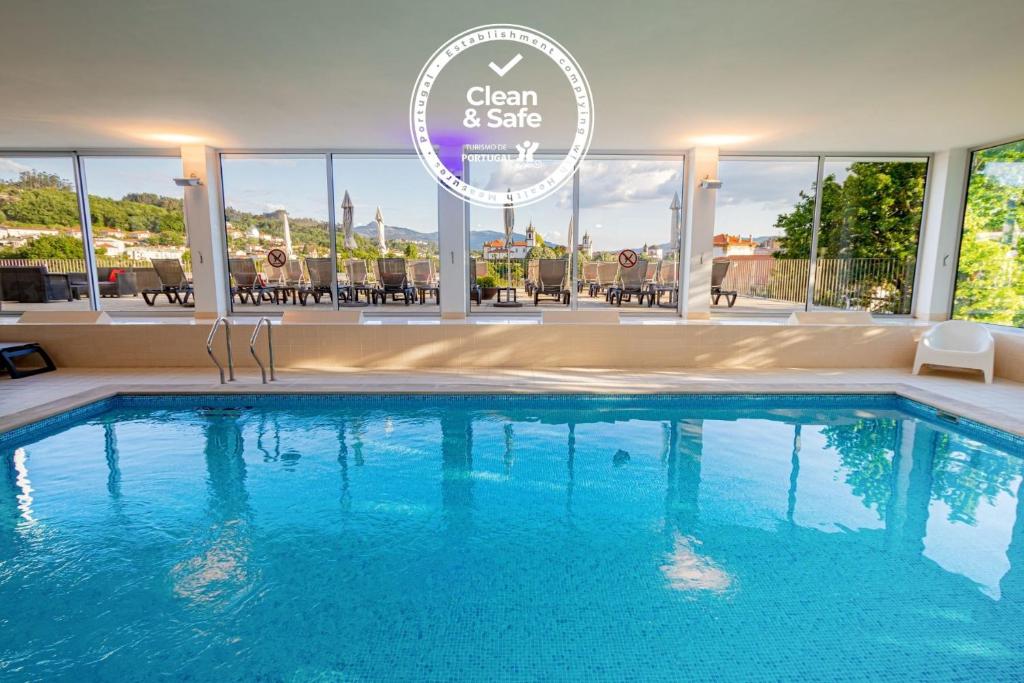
[{"x": 957, "y": 344}]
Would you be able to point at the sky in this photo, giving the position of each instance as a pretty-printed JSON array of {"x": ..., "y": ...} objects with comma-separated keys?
[
  {"x": 755, "y": 191},
  {"x": 623, "y": 202},
  {"x": 111, "y": 177}
]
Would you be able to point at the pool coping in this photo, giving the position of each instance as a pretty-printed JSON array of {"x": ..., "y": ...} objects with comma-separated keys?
[{"x": 939, "y": 402}]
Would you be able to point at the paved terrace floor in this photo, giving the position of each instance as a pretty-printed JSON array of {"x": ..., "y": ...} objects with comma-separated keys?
[{"x": 1000, "y": 404}]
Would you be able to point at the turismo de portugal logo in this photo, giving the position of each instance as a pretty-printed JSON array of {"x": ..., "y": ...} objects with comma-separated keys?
[{"x": 509, "y": 104}]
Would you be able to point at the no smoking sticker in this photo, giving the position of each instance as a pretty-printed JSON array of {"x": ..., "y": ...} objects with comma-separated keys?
[{"x": 277, "y": 257}]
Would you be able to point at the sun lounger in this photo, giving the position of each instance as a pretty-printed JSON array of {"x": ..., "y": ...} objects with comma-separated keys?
[
  {"x": 358, "y": 277},
  {"x": 532, "y": 278},
  {"x": 424, "y": 279},
  {"x": 719, "y": 269},
  {"x": 174, "y": 284},
  {"x": 247, "y": 283},
  {"x": 589, "y": 275},
  {"x": 394, "y": 281},
  {"x": 632, "y": 282},
  {"x": 321, "y": 272},
  {"x": 12, "y": 351},
  {"x": 667, "y": 283},
  {"x": 288, "y": 275},
  {"x": 605, "y": 278},
  {"x": 551, "y": 278},
  {"x": 475, "y": 293}
]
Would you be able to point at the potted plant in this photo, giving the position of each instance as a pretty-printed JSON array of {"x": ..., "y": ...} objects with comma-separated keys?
[{"x": 488, "y": 286}]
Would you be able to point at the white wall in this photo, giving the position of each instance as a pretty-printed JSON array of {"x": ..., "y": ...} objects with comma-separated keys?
[
  {"x": 940, "y": 236},
  {"x": 453, "y": 254},
  {"x": 204, "y": 220},
  {"x": 698, "y": 242}
]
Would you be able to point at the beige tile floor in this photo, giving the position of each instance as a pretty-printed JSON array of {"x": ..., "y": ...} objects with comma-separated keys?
[{"x": 1000, "y": 404}]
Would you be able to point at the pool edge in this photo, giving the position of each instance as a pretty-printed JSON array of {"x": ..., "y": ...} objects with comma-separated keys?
[{"x": 75, "y": 403}]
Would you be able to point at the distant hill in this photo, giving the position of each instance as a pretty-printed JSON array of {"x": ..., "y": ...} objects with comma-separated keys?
[
  {"x": 394, "y": 232},
  {"x": 397, "y": 232},
  {"x": 477, "y": 238}
]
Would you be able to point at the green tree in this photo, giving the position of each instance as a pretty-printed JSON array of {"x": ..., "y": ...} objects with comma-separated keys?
[
  {"x": 865, "y": 451},
  {"x": 874, "y": 213},
  {"x": 45, "y": 207},
  {"x": 964, "y": 475},
  {"x": 47, "y": 246},
  {"x": 40, "y": 180},
  {"x": 990, "y": 272}
]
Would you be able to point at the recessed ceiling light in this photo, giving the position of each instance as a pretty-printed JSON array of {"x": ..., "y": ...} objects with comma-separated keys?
[
  {"x": 178, "y": 138},
  {"x": 720, "y": 139}
]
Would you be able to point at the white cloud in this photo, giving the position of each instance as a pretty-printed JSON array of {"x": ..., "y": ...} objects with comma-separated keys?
[
  {"x": 516, "y": 175},
  {"x": 771, "y": 184},
  {"x": 10, "y": 167},
  {"x": 603, "y": 183},
  {"x": 619, "y": 183}
]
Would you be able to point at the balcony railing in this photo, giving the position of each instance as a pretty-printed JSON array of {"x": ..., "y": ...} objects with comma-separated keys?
[
  {"x": 878, "y": 285},
  {"x": 873, "y": 284},
  {"x": 75, "y": 265}
]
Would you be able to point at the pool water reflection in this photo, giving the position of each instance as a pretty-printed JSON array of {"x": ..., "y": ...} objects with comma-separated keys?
[{"x": 418, "y": 538}]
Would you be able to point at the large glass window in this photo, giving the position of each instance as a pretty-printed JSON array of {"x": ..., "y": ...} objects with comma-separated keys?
[
  {"x": 387, "y": 242},
  {"x": 625, "y": 204},
  {"x": 763, "y": 231},
  {"x": 867, "y": 244},
  {"x": 630, "y": 204},
  {"x": 867, "y": 238},
  {"x": 138, "y": 232},
  {"x": 528, "y": 266},
  {"x": 990, "y": 271},
  {"x": 276, "y": 217},
  {"x": 42, "y": 259}
]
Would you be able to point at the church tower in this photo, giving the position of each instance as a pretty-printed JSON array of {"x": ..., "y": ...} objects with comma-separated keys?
[{"x": 587, "y": 246}]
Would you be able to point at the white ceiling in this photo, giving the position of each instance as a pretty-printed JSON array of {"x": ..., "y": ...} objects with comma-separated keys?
[{"x": 779, "y": 75}]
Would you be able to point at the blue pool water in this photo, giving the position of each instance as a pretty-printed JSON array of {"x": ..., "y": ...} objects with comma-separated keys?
[{"x": 510, "y": 538}]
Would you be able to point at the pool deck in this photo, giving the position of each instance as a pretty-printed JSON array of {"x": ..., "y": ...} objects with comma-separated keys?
[{"x": 999, "y": 405}]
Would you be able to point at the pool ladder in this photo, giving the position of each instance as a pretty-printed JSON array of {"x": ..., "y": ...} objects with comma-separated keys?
[
  {"x": 227, "y": 339},
  {"x": 270, "y": 349}
]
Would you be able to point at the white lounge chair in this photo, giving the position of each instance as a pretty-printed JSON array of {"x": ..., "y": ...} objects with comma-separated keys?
[{"x": 957, "y": 344}]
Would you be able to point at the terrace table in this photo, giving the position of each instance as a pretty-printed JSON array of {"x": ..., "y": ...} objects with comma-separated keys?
[
  {"x": 355, "y": 289},
  {"x": 282, "y": 292},
  {"x": 432, "y": 290}
]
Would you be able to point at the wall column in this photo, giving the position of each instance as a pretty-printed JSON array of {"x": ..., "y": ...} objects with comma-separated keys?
[
  {"x": 940, "y": 235},
  {"x": 699, "y": 221},
  {"x": 204, "y": 220},
  {"x": 454, "y": 254}
]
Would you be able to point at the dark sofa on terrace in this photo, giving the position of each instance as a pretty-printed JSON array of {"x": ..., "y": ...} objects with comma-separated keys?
[{"x": 35, "y": 285}]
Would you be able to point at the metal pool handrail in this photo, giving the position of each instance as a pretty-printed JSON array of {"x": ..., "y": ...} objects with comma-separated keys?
[
  {"x": 227, "y": 339},
  {"x": 270, "y": 349}
]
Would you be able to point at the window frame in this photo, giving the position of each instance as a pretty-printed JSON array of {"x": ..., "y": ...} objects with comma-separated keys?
[
  {"x": 964, "y": 193},
  {"x": 822, "y": 157},
  {"x": 328, "y": 154},
  {"x": 680, "y": 156},
  {"x": 81, "y": 183}
]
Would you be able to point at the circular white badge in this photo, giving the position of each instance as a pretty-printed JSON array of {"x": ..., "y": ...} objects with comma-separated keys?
[{"x": 497, "y": 125}]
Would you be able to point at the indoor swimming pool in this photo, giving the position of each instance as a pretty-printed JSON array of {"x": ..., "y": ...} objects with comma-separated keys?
[{"x": 449, "y": 537}]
